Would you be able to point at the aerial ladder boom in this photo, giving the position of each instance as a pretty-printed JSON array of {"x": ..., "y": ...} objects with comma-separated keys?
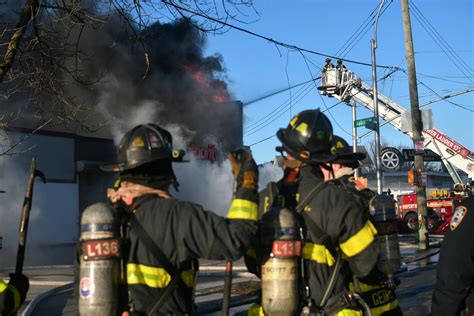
[{"x": 344, "y": 85}]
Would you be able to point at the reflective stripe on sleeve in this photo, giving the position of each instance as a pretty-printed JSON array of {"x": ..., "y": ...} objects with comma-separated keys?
[
  {"x": 154, "y": 277},
  {"x": 188, "y": 278},
  {"x": 318, "y": 253},
  {"x": 359, "y": 241},
  {"x": 349, "y": 312},
  {"x": 243, "y": 209},
  {"x": 16, "y": 297},
  {"x": 3, "y": 286},
  {"x": 255, "y": 310}
]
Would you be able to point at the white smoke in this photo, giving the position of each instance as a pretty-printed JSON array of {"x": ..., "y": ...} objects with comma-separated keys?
[{"x": 10, "y": 208}]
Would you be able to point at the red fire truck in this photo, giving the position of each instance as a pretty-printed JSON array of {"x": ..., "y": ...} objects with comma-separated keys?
[{"x": 440, "y": 204}]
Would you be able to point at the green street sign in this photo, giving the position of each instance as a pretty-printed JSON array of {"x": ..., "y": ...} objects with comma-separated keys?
[{"x": 362, "y": 122}]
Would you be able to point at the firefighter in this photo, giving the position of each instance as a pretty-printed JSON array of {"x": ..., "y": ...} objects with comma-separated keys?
[
  {"x": 454, "y": 290},
  {"x": 335, "y": 224},
  {"x": 374, "y": 288},
  {"x": 181, "y": 231},
  {"x": 13, "y": 293},
  {"x": 328, "y": 65}
]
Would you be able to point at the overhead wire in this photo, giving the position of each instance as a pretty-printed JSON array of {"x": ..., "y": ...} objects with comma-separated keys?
[
  {"x": 357, "y": 32},
  {"x": 274, "y": 135},
  {"x": 421, "y": 105},
  {"x": 440, "y": 37},
  {"x": 271, "y": 94},
  {"x": 269, "y": 39},
  {"x": 283, "y": 105},
  {"x": 436, "y": 37},
  {"x": 349, "y": 49},
  {"x": 271, "y": 119}
]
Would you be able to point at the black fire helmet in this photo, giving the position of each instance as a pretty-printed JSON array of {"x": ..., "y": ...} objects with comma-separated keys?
[
  {"x": 344, "y": 154},
  {"x": 308, "y": 137},
  {"x": 144, "y": 144}
]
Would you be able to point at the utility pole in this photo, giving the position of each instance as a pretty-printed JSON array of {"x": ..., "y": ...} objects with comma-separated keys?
[
  {"x": 416, "y": 127},
  {"x": 378, "y": 161},
  {"x": 354, "y": 132}
]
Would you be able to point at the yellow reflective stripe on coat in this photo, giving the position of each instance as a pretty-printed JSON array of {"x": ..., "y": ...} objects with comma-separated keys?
[
  {"x": 153, "y": 276},
  {"x": 3, "y": 286},
  {"x": 188, "y": 277},
  {"x": 243, "y": 209},
  {"x": 255, "y": 310},
  {"x": 359, "y": 241},
  {"x": 349, "y": 312},
  {"x": 318, "y": 253},
  {"x": 364, "y": 287},
  {"x": 16, "y": 297},
  {"x": 376, "y": 311}
]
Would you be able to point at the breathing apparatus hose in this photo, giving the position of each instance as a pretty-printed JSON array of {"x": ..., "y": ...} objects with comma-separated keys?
[
  {"x": 362, "y": 303},
  {"x": 332, "y": 281}
]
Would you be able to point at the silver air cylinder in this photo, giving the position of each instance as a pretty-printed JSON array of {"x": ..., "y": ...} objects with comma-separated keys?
[
  {"x": 99, "y": 262},
  {"x": 281, "y": 247},
  {"x": 384, "y": 216}
]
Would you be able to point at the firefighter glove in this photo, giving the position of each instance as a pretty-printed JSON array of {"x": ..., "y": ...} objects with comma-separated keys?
[
  {"x": 21, "y": 284},
  {"x": 244, "y": 169}
]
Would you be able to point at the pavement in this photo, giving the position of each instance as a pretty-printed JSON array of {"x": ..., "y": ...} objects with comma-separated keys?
[{"x": 51, "y": 289}]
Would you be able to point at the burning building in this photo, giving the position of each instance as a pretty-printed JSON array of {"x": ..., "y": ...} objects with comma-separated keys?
[{"x": 182, "y": 90}]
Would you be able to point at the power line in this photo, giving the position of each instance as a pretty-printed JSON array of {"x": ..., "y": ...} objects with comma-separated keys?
[
  {"x": 278, "y": 91},
  {"x": 442, "y": 44},
  {"x": 270, "y": 120},
  {"x": 275, "y": 110},
  {"x": 368, "y": 27},
  {"x": 421, "y": 105},
  {"x": 272, "y": 136},
  {"x": 282, "y": 44}
]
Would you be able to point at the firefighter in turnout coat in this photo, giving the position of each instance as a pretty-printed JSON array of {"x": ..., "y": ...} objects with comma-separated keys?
[
  {"x": 181, "y": 231},
  {"x": 335, "y": 224},
  {"x": 373, "y": 288},
  {"x": 454, "y": 290}
]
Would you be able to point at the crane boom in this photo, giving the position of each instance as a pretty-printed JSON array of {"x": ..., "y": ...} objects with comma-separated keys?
[{"x": 344, "y": 85}]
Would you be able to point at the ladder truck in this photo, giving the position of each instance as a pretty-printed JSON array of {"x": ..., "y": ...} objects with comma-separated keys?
[{"x": 344, "y": 85}]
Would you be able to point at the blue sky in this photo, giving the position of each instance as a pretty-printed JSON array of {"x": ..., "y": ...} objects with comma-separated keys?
[{"x": 256, "y": 67}]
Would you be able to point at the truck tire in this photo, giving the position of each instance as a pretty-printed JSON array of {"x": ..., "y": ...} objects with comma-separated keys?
[
  {"x": 411, "y": 223},
  {"x": 432, "y": 223}
]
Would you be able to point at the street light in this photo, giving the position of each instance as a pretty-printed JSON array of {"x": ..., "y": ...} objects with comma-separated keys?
[{"x": 378, "y": 162}]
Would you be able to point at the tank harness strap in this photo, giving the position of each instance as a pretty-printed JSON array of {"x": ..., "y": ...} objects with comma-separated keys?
[
  {"x": 323, "y": 239},
  {"x": 164, "y": 261}
]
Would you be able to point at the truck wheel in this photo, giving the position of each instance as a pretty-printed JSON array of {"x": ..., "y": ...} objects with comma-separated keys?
[
  {"x": 411, "y": 223},
  {"x": 432, "y": 223}
]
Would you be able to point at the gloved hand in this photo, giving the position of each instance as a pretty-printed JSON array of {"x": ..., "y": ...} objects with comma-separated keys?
[
  {"x": 244, "y": 169},
  {"x": 21, "y": 283}
]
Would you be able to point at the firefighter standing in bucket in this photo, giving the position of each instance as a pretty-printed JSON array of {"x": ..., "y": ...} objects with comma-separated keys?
[
  {"x": 373, "y": 288},
  {"x": 13, "y": 293},
  {"x": 454, "y": 290},
  {"x": 181, "y": 231},
  {"x": 334, "y": 223}
]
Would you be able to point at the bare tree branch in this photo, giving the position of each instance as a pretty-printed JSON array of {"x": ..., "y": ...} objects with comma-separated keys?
[{"x": 29, "y": 11}]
